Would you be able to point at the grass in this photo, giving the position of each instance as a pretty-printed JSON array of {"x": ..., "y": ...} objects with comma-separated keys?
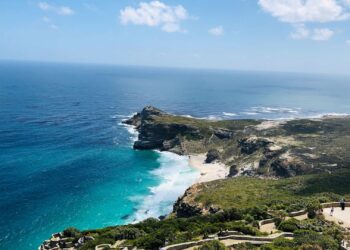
[{"x": 290, "y": 193}]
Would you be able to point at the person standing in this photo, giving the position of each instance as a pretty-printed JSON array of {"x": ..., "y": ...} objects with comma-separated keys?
[
  {"x": 342, "y": 204},
  {"x": 332, "y": 211}
]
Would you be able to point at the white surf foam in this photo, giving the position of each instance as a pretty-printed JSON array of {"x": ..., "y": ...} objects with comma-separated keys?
[
  {"x": 229, "y": 114},
  {"x": 175, "y": 177}
]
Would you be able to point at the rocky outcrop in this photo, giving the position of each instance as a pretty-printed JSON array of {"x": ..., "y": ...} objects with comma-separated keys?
[
  {"x": 134, "y": 121},
  {"x": 223, "y": 133},
  {"x": 155, "y": 133},
  {"x": 185, "y": 206},
  {"x": 233, "y": 171},
  {"x": 252, "y": 144},
  {"x": 288, "y": 167},
  {"x": 212, "y": 155},
  {"x": 293, "y": 148}
]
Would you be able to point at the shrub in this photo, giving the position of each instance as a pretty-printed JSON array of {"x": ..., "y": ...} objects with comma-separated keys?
[
  {"x": 311, "y": 209},
  {"x": 71, "y": 232},
  {"x": 213, "y": 245},
  {"x": 290, "y": 225},
  {"x": 305, "y": 237}
]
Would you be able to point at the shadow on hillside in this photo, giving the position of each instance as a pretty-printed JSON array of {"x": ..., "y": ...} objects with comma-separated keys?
[{"x": 338, "y": 183}]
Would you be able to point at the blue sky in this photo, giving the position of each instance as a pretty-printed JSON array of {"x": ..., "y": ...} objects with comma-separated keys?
[{"x": 273, "y": 35}]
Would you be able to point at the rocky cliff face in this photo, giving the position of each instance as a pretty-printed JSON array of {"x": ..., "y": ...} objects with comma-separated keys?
[
  {"x": 263, "y": 149},
  {"x": 249, "y": 147},
  {"x": 155, "y": 133}
]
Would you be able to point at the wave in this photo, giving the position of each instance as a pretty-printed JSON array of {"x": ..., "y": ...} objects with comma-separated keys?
[
  {"x": 134, "y": 134},
  {"x": 175, "y": 176},
  {"x": 229, "y": 114},
  {"x": 121, "y": 116}
]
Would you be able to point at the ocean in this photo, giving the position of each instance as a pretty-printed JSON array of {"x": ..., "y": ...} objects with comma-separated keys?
[{"x": 66, "y": 159}]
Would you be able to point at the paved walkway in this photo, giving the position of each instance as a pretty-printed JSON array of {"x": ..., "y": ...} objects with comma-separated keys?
[{"x": 340, "y": 217}]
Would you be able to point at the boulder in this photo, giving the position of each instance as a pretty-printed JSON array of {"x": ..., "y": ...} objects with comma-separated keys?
[
  {"x": 212, "y": 155},
  {"x": 252, "y": 144},
  {"x": 288, "y": 167},
  {"x": 223, "y": 133},
  {"x": 134, "y": 121},
  {"x": 233, "y": 171}
]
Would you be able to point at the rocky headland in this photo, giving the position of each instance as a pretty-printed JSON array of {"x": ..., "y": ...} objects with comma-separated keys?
[
  {"x": 256, "y": 170},
  {"x": 251, "y": 148}
]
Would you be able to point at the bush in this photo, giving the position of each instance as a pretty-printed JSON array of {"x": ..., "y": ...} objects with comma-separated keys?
[
  {"x": 290, "y": 225},
  {"x": 149, "y": 242},
  {"x": 311, "y": 209},
  {"x": 71, "y": 232},
  {"x": 213, "y": 245},
  {"x": 305, "y": 237}
]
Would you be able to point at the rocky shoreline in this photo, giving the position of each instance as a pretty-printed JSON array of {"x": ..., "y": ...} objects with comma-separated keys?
[{"x": 256, "y": 149}]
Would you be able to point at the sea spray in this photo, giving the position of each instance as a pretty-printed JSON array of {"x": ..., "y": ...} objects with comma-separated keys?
[{"x": 175, "y": 176}]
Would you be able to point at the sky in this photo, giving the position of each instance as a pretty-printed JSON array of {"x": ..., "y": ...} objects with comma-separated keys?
[{"x": 269, "y": 35}]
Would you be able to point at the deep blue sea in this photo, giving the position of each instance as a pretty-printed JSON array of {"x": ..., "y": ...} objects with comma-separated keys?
[{"x": 66, "y": 160}]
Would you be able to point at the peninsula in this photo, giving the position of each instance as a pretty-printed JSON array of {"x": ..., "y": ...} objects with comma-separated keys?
[{"x": 263, "y": 185}]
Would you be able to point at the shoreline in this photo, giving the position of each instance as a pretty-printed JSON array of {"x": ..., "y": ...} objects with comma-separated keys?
[{"x": 208, "y": 171}]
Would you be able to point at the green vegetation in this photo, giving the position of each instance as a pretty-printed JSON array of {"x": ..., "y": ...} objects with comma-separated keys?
[
  {"x": 290, "y": 194},
  {"x": 152, "y": 233},
  {"x": 213, "y": 245},
  {"x": 295, "y": 165}
]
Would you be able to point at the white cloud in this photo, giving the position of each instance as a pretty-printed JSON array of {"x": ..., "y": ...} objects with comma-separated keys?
[
  {"x": 216, "y": 31},
  {"x": 155, "y": 14},
  {"x": 49, "y": 22},
  {"x": 322, "y": 34},
  {"x": 301, "y": 32},
  {"x": 301, "y": 11},
  {"x": 348, "y": 41},
  {"x": 60, "y": 10}
]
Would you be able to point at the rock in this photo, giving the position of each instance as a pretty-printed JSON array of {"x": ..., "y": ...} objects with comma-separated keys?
[
  {"x": 252, "y": 144},
  {"x": 233, "y": 171},
  {"x": 162, "y": 135},
  {"x": 223, "y": 133},
  {"x": 288, "y": 167},
  {"x": 162, "y": 217},
  {"x": 212, "y": 155},
  {"x": 149, "y": 111},
  {"x": 185, "y": 210},
  {"x": 148, "y": 145},
  {"x": 134, "y": 121}
]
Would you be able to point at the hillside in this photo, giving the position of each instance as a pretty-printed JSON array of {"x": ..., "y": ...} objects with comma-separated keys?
[{"x": 276, "y": 168}]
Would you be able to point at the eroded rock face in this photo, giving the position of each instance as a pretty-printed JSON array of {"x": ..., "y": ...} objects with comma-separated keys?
[
  {"x": 134, "y": 121},
  {"x": 288, "y": 167},
  {"x": 252, "y": 144},
  {"x": 185, "y": 207},
  {"x": 223, "y": 133},
  {"x": 154, "y": 134},
  {"x": 233, "y": 171},
  {"x": 212, "y": 155}
]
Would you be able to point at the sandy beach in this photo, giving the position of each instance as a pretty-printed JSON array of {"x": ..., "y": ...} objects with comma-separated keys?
[{"x": 208, "y": 172}]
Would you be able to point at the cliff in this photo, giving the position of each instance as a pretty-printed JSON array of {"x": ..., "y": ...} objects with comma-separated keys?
[
  {"x": 276, "y": 167},
  {"x": 250, "y": 147}
]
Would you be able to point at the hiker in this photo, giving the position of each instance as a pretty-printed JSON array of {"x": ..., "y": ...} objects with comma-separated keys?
[
  {"x": 332, "y": 211},
  {"x": 342, "y": 204}
]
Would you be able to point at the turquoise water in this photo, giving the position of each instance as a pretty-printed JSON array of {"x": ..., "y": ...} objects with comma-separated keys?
[{"x": 66, "y": 160}]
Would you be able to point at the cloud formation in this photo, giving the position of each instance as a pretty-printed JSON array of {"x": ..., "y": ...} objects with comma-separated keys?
[
  {"x": 322, "y": 34},
  {"x": 301, "y": 33},
  {"x": 300, "y": 12},
  {"x": 50, "y": 23},
  {"x": 216, "y": 31},
  {"x": 60, "y": 10},
  {"x": 155, "y": 14}
]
